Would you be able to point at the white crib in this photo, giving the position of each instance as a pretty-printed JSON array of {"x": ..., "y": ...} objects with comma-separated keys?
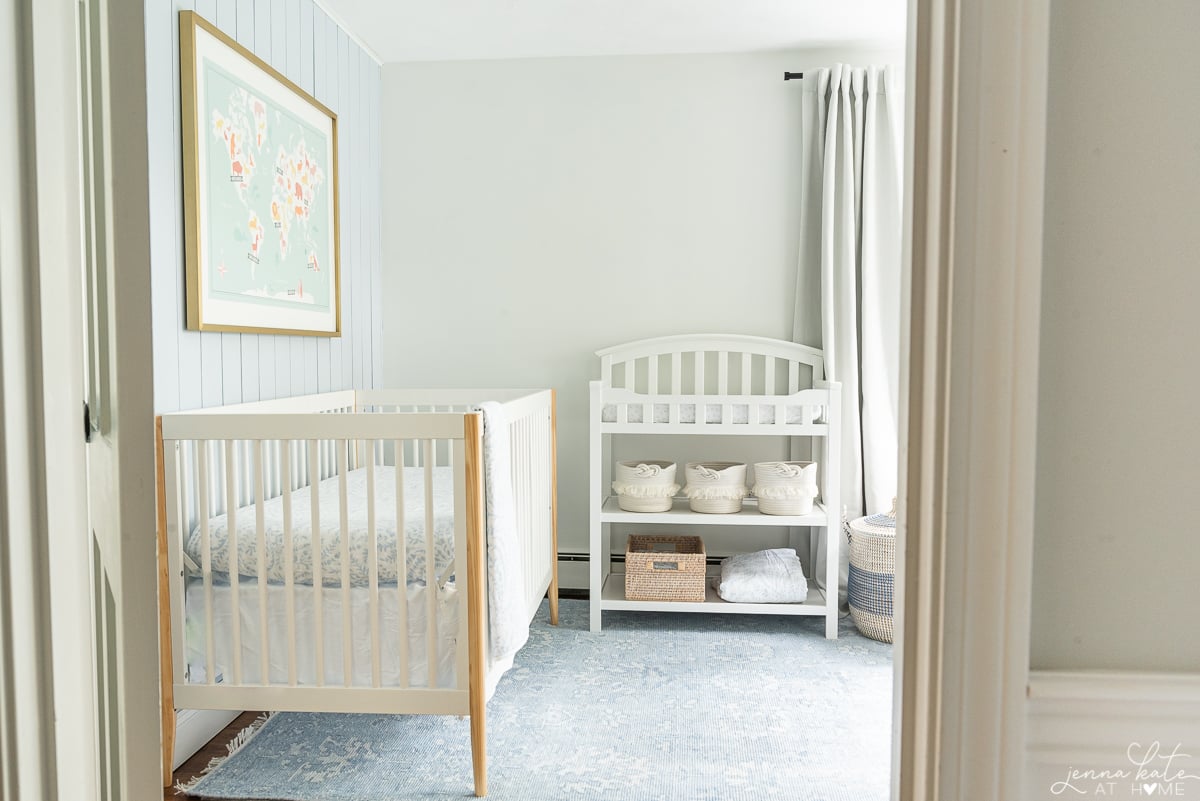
[{"x": 329, "y": 607}]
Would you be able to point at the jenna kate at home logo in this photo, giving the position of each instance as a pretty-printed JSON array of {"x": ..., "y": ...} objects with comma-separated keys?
[{"x": 1154, "y": 771}]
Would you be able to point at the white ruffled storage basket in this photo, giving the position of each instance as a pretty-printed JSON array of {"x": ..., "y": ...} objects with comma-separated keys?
[
  {"x": 716, "y": 488},
  {"x": 872, "y": 574},
  {"x": 645, "y": 486},
  {"x": 785, "y": 488}
]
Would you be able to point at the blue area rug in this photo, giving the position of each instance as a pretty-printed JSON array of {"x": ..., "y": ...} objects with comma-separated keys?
[{"x": 658, "y": 707}]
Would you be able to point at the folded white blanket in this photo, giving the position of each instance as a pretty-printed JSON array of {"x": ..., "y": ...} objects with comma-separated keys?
[{"x": 765, "y": 577}]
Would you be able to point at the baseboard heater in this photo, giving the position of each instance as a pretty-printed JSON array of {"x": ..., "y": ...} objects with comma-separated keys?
[{"x": 619, "y": 558}]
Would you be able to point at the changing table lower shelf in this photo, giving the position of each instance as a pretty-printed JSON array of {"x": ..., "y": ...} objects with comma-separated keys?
[{"x": 613, "y": 597}]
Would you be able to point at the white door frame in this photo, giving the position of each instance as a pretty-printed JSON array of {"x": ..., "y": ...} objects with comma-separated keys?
[
  {"x": 974, "y": 173},
  {"x": 121, "y": 475},
  {"x": 49, "y": 726}
]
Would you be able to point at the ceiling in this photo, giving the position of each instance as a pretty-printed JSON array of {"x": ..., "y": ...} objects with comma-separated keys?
[{"x": 446, "y": 30}]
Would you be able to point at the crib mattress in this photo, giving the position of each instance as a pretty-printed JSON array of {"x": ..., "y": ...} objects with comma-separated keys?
[
  {"x": 328, "y": 494},
  {"x": 306, "y": 657},
  {"x": 739, "y": 412}
]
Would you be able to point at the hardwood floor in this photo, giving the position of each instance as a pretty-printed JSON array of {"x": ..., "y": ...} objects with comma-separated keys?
[{"x": 215, "y": 747}]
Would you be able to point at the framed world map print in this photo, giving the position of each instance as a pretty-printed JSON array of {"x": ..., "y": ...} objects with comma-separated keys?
[{"x": 260, "y": 193}]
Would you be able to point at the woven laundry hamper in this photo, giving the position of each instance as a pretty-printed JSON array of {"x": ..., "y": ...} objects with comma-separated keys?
[
  {"x": 716, "y": 488},
  {"x": 785, "y": 488},
  {"x": 872, "y": 574},
  {"x": 645, "y": 486}
]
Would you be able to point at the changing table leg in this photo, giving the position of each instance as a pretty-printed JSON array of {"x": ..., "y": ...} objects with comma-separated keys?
[{"x": 553, "y": 507}]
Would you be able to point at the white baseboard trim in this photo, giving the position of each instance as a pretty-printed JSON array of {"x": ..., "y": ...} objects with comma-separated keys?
[
  {"x": 194, "y": 728},
  {"x": 1102, "y": 725}
]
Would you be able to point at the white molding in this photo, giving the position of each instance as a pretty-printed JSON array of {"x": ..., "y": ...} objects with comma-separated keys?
[
  {"x": 1090, "y": 720},
  {"x": 338, "y": 21},
  {"x": 974, "y": 171},
  {"x": 194, "y": 728}
]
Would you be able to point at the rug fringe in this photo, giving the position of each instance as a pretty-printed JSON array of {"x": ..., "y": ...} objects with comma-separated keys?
[{"x": 235, "y": 745}]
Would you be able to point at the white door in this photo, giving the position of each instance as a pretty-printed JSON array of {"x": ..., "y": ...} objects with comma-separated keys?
[{"x": 119, "y": 412}]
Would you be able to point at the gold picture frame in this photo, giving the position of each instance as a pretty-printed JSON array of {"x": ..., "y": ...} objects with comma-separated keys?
[{"x": 260, "y": 183}]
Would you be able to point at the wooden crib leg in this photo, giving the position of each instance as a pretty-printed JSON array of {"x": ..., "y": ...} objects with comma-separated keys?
[
  {"x": 166, "y": 669},
  {"x": 553, "y": 507},
  {"x": 476, "y": 599},
  {"x": 479, "y": 747}
]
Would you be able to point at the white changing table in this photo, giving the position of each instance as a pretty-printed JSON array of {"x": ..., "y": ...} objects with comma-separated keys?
[{"x": 712, "y": 384}]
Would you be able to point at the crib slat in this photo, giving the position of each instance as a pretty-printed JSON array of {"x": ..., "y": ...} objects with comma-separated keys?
[
  {"x": 289, "y": 560},
  {"x": 344, "y": 539},
  {"x": 235, "y": 561},
  {"x": 652, "y": 376},
  {"x": 747, "y": 365},
  {"x": 373, "y": 567},
  {"x": 177, "y": 479},
  {"x": 699, "y": 359},
  {"x": 401, "y": 564},
  {"x": 769, "y": 373},
  {"x": 316, "y": 541},
  {"x": 723, "y": 372},
  {"x": 462, "y": 670},
  {"x": 793, "y": 377},
  {"x": 261, "y": 532},
  {"x": 431, "y": 588},
  {"x": 201, "y": 449}
]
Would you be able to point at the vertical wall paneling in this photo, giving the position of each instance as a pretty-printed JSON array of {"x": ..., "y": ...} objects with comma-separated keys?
[
  {"x": 345, "y": 168},
  {"x": 162, "y": 144},
  {"x": 250, "y": 389},
  {"x": 295, "y": 48},
  {"x": 355, "y": 192},
  {"x": 231, "y": 344},
  {"x": 280, "y": 45},
  {"x": 307, "y": 84},
  {"x": 264, "y": 36},
  {"x": 321, "y": 93},
  {"x": 210, "y": 343},
  {"x": 376, "y": 239},
  {"x": 189, "y": 356},
  {"x": 332, "y": 72},
  {"x": 349, "y": 241},
  {"x": 194, "y": 369}
]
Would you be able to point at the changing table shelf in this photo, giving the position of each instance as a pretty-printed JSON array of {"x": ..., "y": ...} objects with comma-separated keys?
[
  {"x": 611, "y": 512},
  {"x": 613, "y": 598}
]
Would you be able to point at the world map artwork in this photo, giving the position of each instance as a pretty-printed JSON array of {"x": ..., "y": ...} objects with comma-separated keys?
[{"x": 268, "y": 200}]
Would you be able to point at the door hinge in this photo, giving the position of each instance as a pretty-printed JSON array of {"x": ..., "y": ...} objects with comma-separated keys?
[{"x": 87, "y": 423}]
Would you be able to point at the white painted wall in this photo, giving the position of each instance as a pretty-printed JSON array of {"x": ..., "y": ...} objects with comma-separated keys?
[
  {"x": 1117, "y": 553},
  {"x": 194, "y": 369},
  {"x": 540, "y": 209}
]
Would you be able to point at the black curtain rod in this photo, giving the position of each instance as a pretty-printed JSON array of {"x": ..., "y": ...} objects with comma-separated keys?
[{"x": 793, "y": 76}]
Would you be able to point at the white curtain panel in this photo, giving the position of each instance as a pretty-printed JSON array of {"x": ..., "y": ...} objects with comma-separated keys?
[{"x": 848, "y": 280}]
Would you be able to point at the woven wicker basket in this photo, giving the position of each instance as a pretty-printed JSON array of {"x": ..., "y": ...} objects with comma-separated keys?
[
  {"x": 716, "y": 488},
  {"x": 664, "y": 567},
  {"x": 645, "y": 486},
  {"x": 785, "y": 488},
  {"x": 872, "y": 575}
]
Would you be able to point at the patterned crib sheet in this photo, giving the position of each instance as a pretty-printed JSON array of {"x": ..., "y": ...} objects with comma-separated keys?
[{"x": 330, "y": 530}]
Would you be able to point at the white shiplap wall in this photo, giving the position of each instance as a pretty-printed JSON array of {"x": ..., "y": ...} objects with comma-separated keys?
[{"x": 193, "y": 369}]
